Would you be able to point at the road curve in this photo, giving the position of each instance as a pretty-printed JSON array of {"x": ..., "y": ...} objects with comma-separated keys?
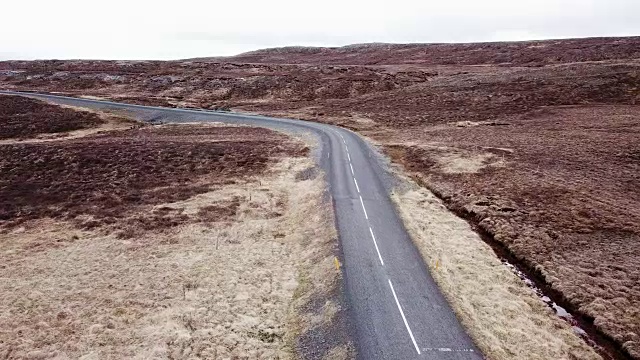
[{"x": 395, "y": 307}]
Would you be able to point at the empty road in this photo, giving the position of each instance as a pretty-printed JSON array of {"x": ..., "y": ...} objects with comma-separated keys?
[{"x": 396, "y": 309}]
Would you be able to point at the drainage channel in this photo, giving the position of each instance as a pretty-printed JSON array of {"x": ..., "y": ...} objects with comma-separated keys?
[
  {"x": 582, "y": 325},
  {"x": 560, "y": 311}
]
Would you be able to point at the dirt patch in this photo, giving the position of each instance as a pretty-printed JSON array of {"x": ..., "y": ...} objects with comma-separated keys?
[
  {"x": 444, "y": 159},
  {"x": 462, "y": 163},
  {"x": 22, "y": 117}
]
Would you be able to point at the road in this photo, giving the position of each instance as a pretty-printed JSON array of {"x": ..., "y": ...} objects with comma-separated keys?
[{"x": 394, "y": 305}]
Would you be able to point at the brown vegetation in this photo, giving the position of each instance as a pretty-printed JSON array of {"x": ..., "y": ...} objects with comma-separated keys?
[
  {"x": 21, "y": 117},
  {"x": 528, "y": 53},
  {"x": 98, "y": 179},
  {"x": 536, "y": 142}
]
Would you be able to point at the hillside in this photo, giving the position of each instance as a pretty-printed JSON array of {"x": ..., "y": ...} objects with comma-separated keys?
[{"x": 528, "y": 53}]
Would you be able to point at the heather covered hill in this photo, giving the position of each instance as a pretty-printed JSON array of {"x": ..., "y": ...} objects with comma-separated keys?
[{"x": 513, "y": 53}]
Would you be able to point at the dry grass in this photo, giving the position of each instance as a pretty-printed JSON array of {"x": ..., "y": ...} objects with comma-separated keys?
[
  {"x": 226, "y": 289},
  {"x": 463, "y": 162},
  {"x": 503, "y": 316}
]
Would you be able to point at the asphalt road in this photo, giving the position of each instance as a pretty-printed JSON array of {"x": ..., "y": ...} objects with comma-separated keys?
[{"x": 395, "y": 308}]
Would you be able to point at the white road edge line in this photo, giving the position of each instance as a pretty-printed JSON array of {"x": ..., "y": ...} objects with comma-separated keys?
[
  {"x": 375, "y": 243},
  {"x": 352, "y": 173},
  {"x": 349, "y": 157},
  {"x": 356, "y": 182},
  {"x": 363, "y": 208},
  {"x": 404, "y": 318}
]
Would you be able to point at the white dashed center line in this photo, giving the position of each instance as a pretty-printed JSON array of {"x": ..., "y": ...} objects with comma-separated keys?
[
  {"x": 375, "y": 243},
  {"x": 363, "y": 208},
  {"x": 357, "y": 187},
  {"x": 404, "y": 318},
  {"x": 447, "y": 350}
]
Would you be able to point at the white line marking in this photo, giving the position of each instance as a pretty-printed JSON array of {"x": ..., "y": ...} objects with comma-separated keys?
[
  {"x": 356, "y": 182},
  {"x": 348, "y": 156},
  {"x": 447, "y": 350},
  {"x": 375, "y": 243},
  {"x": 365, "y": 210},
  {"x": 346, "y": 148},
  {"x": 327, "y": 155},
  {"x": 404, "y": 318},
  {"x": 352, "y": 173}
]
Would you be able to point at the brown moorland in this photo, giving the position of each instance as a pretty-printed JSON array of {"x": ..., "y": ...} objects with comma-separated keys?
[
  {"x": 18, "y": 118},
  {"x": 101, "y": 178},
  {"x": 534, "y": 142}
]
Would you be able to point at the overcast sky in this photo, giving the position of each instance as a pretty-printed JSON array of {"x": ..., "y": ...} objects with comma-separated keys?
[{"x": 158, "y": 29}]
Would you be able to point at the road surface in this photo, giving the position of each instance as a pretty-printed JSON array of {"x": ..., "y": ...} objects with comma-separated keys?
[{"x": 395, "y": 307}]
